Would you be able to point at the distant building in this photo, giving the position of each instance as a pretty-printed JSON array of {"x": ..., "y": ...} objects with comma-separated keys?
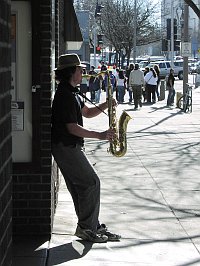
[
  {"x": 193, "y": 21},
  {"x": 83, "y": 20}
]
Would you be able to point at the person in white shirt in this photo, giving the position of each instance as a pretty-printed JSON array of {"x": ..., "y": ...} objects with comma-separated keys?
[
  {"x": 151, "y": 84},
  {"x": 121, "y": 86},
  {"x": 136, "y": 81}
]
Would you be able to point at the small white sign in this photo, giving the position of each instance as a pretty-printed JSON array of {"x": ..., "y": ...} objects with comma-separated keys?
[
  {"x": 17, "y": 111},
  {"x": 186, "y": 49}
]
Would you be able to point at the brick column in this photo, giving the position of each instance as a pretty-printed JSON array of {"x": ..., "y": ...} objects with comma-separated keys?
[{"x": 5, "y": 136}]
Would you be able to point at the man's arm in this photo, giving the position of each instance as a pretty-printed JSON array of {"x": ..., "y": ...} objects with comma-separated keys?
[
  {"x": 142, "y": 78},
  {"x": 130, "y": 80},
  {"x": 93, "y": 111},
  {"x": 79, "y": 131}
]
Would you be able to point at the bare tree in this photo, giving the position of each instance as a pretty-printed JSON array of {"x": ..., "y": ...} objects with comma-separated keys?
[{"x": 118, "y": 24}]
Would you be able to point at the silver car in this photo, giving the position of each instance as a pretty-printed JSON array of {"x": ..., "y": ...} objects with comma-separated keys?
[{"x": 165, "y": 67}]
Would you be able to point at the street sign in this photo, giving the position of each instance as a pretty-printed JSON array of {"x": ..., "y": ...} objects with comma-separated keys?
[{"x": 186, "y": 49}]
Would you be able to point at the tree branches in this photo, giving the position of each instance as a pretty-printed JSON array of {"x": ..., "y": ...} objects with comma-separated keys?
[{"x": 193, "y": 6}]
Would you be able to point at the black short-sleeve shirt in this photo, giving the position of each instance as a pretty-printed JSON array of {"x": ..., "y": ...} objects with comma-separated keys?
[{"x": 66, "y": 108}]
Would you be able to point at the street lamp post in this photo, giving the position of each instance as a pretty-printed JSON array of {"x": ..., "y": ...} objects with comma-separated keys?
[
  {"x": 185, "y": 58},
  {"x": 172, "y": 33},
  {"x": 135, "y": 32},
  {"x": 97, "y": 16}
]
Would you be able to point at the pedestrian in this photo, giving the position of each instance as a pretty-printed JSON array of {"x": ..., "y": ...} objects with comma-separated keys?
[
  {"x": 121, "y": 82},
  {"x": 144, "y": 91},
  {"x": 84, "y": 83},
  {"x": 128, "y": 71},
  {"x": 109, "y": 77},
  {"x": 98, "y": 89},
  {"x": 68, "y": 136},
  {"x": 170, "y": 88},
  {"x": 151, "y": 83},
  {"x": 136, "y": 82},
  {"x": 112, "y": 79},
  {"x": 157, "y": 69},
  {"x": 103, "y": 66},
  {"x": 92, "y": 74}
]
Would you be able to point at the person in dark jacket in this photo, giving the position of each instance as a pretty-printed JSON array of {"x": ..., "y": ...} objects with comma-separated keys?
[
  {"x": 92, "y": 74},
  {"x": 170, "y": 87},
  {"x": 157, "y": 69}
]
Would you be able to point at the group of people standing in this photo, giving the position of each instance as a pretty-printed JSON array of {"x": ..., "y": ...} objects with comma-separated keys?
[
  {"x": 142, "y": 86},
  {"x": 98, "y": 82},
  {"x": 146, "y": 85}
]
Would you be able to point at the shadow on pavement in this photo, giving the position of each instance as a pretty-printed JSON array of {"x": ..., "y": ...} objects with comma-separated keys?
[{"x": 67, "y": 252}]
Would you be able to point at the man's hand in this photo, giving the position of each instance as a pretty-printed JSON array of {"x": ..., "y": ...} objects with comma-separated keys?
[{"x": 109, "y": 134}]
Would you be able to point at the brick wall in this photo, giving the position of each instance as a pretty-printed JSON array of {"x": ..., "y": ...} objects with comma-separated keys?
[
  {"x": 35, "y": 184},
  {"x": 5, "y": 136}
]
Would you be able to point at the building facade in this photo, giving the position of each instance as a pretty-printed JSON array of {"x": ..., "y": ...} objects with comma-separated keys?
[
  {"x": 32, "y": 36},
  {"x": 5, "y": 136}
]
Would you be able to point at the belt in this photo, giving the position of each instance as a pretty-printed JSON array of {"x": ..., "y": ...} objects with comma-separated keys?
[{"x": 76, "y": 145}]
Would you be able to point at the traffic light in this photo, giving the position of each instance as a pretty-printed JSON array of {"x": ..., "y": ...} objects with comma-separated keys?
[
  {"x": 100, "y": 40},
  {"x": 169, "y": 29},
  {"x": 98, "y": 10},
  {"x": 164, "y": 45},
  {"x": 175, "y": 29},
  {"x": 98, "y": 49},
  {"x": 177, "y": 45}
]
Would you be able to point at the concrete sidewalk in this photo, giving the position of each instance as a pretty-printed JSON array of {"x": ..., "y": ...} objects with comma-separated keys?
[{"x": 150, "y": 196}]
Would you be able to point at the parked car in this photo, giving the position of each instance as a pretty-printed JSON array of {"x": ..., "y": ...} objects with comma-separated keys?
[
  {"x": 143, "y": 64},
  {"x": 87, "y": 65},
  {"x": 198, "y": 67},
  {"x": 178, "y": 68},
  {"x": 165, "y": 67}
]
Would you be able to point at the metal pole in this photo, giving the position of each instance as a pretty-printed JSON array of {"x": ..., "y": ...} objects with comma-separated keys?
[
  {"x": 172, "y": 33},
  {"x": 185, "y": 38},
  {"x": 95, "y": 43},
  {"x": 135, "y": 31}
]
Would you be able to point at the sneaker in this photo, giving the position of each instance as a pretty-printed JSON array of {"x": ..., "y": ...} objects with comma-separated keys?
[
  {"x": 89, "y": 235},
  {"x": 104, "y": 231}
]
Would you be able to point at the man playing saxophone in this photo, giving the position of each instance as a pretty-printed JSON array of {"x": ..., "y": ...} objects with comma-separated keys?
[{"x": 68, "y": 136}]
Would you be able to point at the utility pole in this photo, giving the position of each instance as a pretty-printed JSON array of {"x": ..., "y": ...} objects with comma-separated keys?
[
  {"x": 95, "y": 43},
  {"x": 172, "y": 33},
  {"x": 135, "y": 32},
  {"x": 97, "y": 17},
  {"x": 185, "y": 39}
]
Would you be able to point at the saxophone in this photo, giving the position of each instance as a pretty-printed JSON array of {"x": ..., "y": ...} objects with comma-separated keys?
[{"x": 118, "y": 146}]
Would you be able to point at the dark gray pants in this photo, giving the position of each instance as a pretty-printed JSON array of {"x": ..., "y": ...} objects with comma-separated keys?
[
  {"x": 82, "y": 183},
  {"x": 137, "y": 95}
]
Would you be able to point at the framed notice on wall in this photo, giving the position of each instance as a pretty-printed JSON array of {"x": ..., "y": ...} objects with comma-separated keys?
[{"x": 17, "y": 111}]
